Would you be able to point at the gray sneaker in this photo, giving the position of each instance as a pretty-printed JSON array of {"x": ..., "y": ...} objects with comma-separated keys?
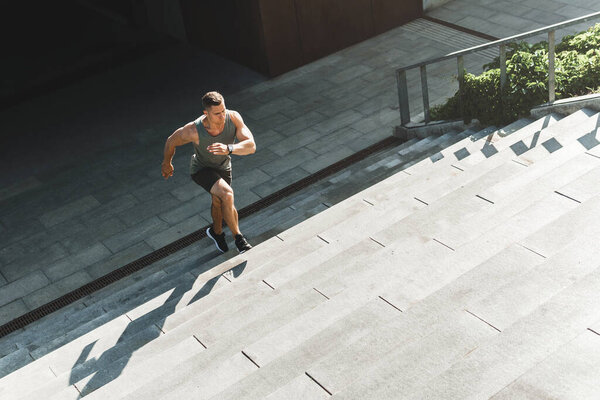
[{"x": 218, "y": 239}]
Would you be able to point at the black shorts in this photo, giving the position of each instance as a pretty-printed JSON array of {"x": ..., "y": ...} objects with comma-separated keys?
[{"x": 207, "y": 177}]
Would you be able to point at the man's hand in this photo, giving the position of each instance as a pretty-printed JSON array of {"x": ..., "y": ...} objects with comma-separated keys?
[
  {"x": 218, "y": 149},
  {"x": 167, "y": 170}
]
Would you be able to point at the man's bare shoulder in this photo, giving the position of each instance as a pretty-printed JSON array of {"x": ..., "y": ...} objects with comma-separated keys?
[
  {"x": 236, "y": 116},
  {"x": 190, "y": 132}
]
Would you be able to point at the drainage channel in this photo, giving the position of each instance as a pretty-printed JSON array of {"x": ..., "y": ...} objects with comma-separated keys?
[{"x": 134, "y": 266}]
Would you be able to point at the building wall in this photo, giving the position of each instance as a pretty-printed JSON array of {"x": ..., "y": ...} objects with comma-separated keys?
[{"x": 275, "y": 36}]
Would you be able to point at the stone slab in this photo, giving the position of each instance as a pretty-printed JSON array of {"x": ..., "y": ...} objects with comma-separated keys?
[
  {"x": 177, "y": 231},
  {"x": 419, "y": 360},
  {"x": 525, "y": 344},
  {"x": 300, "y": 388},
  {"x": 32, "y": 263},
  {"x": 55, "y": 289},
  {"x": 135, "y": 234},
  {"x": 76, "y": 208},
  {"x": 569, "y": 373},
  {"x": 284, "y": 371},
  {"x": 22, "y": 287},
  {"x": 228, "y": 345},
  {"x": 77, "y": 262},
  {"x": 118, "y": 259},
  {"x": 167, "y": 361}
]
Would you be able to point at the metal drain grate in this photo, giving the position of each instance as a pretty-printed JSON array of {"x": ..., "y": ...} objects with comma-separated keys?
[{"x": 185, "y": 241}]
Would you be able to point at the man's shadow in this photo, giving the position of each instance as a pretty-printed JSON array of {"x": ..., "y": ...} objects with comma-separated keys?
[{"x": 138, "y": 333}]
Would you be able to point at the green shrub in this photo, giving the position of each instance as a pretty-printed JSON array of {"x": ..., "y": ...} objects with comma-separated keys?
[{"x": 577, "y": 71}]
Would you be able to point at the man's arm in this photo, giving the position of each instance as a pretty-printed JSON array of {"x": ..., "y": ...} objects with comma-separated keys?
[
  {"x": 181, "y": 136},
  {"x": 245, "y": 145}
]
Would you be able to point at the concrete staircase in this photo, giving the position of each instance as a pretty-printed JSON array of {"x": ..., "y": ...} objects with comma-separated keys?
[{"x": 461, "y": 266}]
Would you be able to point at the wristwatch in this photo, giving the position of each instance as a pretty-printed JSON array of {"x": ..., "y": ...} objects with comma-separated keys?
[{"x": 230, "y": 148}]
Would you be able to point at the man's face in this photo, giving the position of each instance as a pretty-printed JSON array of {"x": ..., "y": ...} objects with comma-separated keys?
[{"x": 216, "y": 114}]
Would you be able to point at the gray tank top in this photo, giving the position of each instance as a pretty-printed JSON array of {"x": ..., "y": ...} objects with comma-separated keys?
[{"x": 201, "y": 157}]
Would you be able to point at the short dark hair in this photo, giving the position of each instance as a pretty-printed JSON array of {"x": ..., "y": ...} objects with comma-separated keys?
[{"x": 211, "y": 99}]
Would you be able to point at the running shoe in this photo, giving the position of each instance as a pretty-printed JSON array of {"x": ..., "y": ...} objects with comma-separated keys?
[
  {"x": 241, "y": 243},
  {"x": 218, "y": 239}
]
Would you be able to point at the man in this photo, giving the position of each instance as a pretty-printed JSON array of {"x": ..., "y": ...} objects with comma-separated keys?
[{"x": 213, "y": 136}]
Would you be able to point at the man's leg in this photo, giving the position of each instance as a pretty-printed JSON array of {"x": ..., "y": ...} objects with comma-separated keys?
[
  {"x": 216, "y": 211},
  {"x": 224, "y": 193}
]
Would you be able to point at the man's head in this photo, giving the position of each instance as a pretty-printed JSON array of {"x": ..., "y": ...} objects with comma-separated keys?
[
  {"x": 212, "y": 99},
  {"x": 213, "y": 104}
]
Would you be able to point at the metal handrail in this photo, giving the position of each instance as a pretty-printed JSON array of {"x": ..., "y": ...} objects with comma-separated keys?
[{"x": 550, "y": 29}]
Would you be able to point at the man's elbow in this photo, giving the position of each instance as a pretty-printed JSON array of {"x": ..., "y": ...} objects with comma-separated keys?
[{"x": 252, "y": 148}]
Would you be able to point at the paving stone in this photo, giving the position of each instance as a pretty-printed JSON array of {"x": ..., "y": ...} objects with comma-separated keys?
[
  {"x": 187, "y": 191},
  {"x": 282, "y": 180},
  {"x": 110, "y": 208},
  {"x": 56, "y": 289},
  {"x": 143, "y": 211},
  {"x": 263, "y": 157},
  {"x": 22, "y": 287},
  {"x": 187, "y": 226},
  {"x": 296, "y": 142},
  {"x": 76, "y": 262},
  {"x": 11, "y": 310},
  {"x": 290, "y": 161},
  {"x": 329, "y": 158},
  {"x": 103, "y": 229},
  {"x": 344, "y": 119},
  {"x": 118, "y": 260},
  {"x": 69, "y": 211},
  {"x": 187, "y": 210},
  {"x": 265, "y": 110},
  {"x": 33, "y": 262},
  {"x": 267, "y": 137},
  {"x": 135, "y": 234},
  {"x": 248, "y": 180}
]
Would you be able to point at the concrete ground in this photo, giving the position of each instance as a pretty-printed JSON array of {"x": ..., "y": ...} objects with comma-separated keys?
[{"x": 81, "y": 192}]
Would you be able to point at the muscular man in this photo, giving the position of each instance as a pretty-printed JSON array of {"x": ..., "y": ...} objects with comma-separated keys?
[{"x": 213, "y": 135}]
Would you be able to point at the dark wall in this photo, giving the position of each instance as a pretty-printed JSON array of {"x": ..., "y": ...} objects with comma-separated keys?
[
  {"x": 230, "y": 28},
  {"x": 275, "y": 36}
]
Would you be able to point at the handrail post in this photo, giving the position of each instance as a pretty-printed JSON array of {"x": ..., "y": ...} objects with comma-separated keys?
[
  {"x": 461, "y": 82},
  {"x": 502, "y": 66},
  {"x": 403, "y": 97},
  {"x": 551, "y": 75},
  {"x": 503, "y": 78},
  {"x": 425, "y": 93}
]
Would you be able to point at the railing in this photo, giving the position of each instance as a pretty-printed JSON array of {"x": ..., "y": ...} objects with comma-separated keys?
[{"x": 550, "y": 29}]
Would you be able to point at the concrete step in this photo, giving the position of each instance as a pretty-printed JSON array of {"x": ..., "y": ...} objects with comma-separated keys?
[
  {"x": 443, "y": 170},
  {"x": 568, "y": 129},
  {"x": 387, "y": 370},
  {"x": 154, "y": 352},
  {"x": 522, "y": 346},
  {"x": 411, "y": 298},
  {"x": 552, "y": 377},
  {"x": 267, "y": 348}
]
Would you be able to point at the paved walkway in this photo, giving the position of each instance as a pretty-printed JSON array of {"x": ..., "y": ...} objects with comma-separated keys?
[{"x": 81, "y": 193}]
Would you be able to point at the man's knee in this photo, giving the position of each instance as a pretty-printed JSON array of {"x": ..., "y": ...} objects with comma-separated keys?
[{"x": 222, "y": 191}]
